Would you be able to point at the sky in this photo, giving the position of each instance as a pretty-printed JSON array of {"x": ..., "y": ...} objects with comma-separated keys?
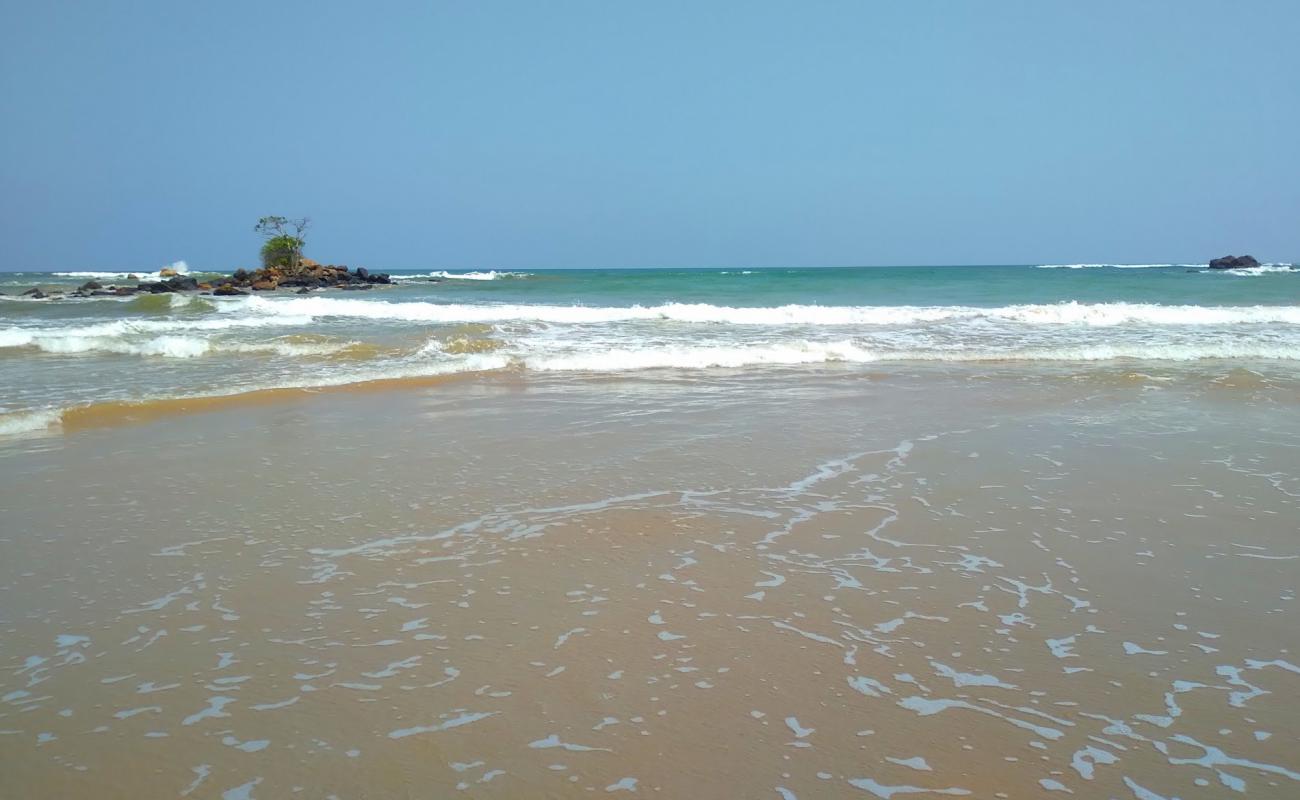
[{"x": 516, "y": 135}]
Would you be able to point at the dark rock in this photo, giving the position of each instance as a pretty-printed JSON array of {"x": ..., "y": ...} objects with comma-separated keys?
[
  {"x": 355, "y": 287},
  {"x": 363, "y": 273},
  {"x": 155, "y": 287},
  {"x": 228, "y": 290},
  {"x": 90, "y": 286},
  {"x": 240, "y": 275},
  {"x": 123, "y": 291},
  {"x": 1234, "y": 262},
  {"x": 304, "y": 290},
  {"x": 181, "y": 283},
  {"x": 32, "y": 292}
]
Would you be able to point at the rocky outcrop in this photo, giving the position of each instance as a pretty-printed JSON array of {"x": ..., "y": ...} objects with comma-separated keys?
[
  {"x": 1234, "y": 262},
  {"x": 306, "y": 277},
  {"x": 176, "y": 283}
]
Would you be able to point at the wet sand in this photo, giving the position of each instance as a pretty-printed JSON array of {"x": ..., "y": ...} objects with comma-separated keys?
[{"x": 808, "y": 584}]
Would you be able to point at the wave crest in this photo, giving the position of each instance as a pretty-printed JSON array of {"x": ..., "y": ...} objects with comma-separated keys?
[
  {"x": 179, "y": 267},
  {"x": 851, "y": 352},
  {"x": 1068, "y": 313},
  {"x": 490, "y": 275}
]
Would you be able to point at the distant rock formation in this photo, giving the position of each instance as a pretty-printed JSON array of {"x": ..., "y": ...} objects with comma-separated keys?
[
  {"x": 307, "y": 276},
  {"x": 1234, "y": 262}
]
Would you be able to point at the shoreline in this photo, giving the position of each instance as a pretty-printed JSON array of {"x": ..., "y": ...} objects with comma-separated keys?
[{"x": 1251, "y": 376}]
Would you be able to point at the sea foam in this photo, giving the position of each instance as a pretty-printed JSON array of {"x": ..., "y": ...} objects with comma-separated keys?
[
  {"x": 1067, "y": 313},
  {"x": 850, "y": 352},
  {"x": 20, "y": 422},
  {"x": 1112, "y": 266},
  {"x": 490, "y": 275},
  {"x": 179, "y": 267}
]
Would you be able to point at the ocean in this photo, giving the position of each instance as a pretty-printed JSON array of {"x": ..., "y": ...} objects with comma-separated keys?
[
  {"x": 64, "y": 356},
  {"x": 1005, "y": 531}
]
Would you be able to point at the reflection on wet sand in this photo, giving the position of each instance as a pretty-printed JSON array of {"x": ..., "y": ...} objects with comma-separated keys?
[{"x": 817, "y": 589}]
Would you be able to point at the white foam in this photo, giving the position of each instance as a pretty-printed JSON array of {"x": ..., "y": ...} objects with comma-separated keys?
[
  {"x": 886, "y": 792},
  {"x": 798, "y": 730},
  {"x": 869, "y": 686},
  {"x": 214, "y": 709},
  {"x": 241, "y": 792},
  {"x": 847, "y": 352},
  {"x": 1066, "y": 313},
  {"x": 21, "y": 422},
  {"x": 455, "y": 722},
  {"x": 176, "y": 338},
  {"x": 179, "y": 267},
  {"x": 1262, "y": 269},
  {"x": 962, "y": 679},
  {"x": 490, "y": 275},
  {"x": 1113, "y": 266},
  {"x": 915, "y": 762},
  {"x": 554, "y": 741}
]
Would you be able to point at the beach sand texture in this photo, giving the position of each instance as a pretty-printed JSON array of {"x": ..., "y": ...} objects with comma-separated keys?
[{"x": 939, "y": 582}]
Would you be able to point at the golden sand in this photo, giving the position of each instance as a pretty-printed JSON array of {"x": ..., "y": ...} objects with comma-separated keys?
[{"x": 828, "y": 589}]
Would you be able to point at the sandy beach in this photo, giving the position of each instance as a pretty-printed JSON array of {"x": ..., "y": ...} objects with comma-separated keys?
[
  {"x": 802, "y": 584},
  {"x": 690, "y": 401}
]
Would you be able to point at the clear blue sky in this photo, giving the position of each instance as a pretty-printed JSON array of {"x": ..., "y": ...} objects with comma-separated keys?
[{"x": 606, "y": 133}]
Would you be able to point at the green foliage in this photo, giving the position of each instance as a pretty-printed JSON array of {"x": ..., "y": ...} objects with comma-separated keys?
[
  {"x": 282, "y": 251},
  {"x": 284, "y": 240}
]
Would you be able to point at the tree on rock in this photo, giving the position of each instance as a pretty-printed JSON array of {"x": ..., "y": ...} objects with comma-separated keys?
[{"x": 284, "y": 240}]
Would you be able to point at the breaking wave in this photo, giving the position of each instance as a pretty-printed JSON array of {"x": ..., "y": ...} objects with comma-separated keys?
[
  {"x": 1068, "y": 313},
  {"x": 490, "y": 275},
  {"x": 1262, "y": 269},
  {"x": 179, "y": 267},
  {"x": 20, "y": 422},
  {"x": 851, "y": 352},
  {"x": 1114, "y": 266}
]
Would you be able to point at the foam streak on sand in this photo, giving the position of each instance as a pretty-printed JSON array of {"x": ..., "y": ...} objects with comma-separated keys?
[
  {"x": 455, "y": 722},
  {"x": 580, "y": 628}
]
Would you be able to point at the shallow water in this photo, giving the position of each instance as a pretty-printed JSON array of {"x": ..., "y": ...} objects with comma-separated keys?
[
  {"x": 59, "y": 356},
  {"x": 966, "y": 580}
]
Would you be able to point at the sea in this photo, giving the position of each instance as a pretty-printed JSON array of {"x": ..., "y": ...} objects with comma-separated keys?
[
  {"x": 66, "y": 355},
  {"x": 990, "y": 532}
]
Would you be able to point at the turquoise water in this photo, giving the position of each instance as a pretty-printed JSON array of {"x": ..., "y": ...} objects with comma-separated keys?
[
  {"x": 920, "y": 286},
  {"x": 60, "y": 353},
  {"x": 891, "y": 286}
]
